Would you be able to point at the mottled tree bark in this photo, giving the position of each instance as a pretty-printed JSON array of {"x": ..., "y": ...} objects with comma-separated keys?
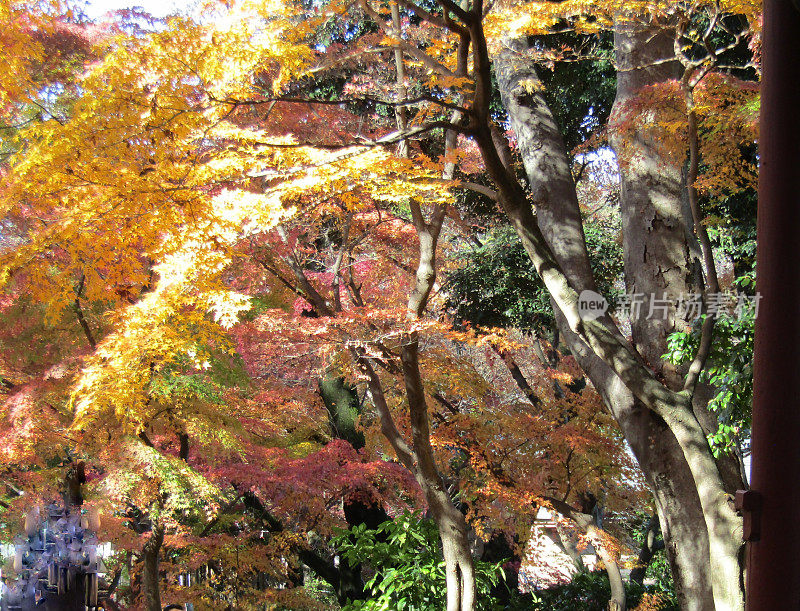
[
  {"x": 658, "y": 228},
  {"x": 654, "y": 446},
  {"x": 675, "y": 468}
]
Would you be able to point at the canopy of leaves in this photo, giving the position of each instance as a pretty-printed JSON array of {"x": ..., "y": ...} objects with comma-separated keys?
[{"x": 192, "y": 240}]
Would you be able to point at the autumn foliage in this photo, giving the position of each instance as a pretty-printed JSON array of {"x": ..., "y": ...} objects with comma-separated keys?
[{"x": 204, "y": 219}]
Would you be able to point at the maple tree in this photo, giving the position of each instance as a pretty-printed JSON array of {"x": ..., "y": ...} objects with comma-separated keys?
[{"x": 256, "y": 185}]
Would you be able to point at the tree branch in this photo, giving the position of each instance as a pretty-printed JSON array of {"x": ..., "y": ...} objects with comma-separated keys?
[
  {"x": 412, "y": 50},
  {"x": 452, "y": 7},
  {"x": 79, "y": 313},
  {"x": 712, "y": 282},
  {"x": 337, "y": 266},
  {"x": 431, "y": 18},
  {"x": 403, "y": 103},
  {"x": 389, "y": 429}
]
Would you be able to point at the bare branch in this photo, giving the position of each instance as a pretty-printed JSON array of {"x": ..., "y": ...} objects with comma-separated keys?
[
  {"x": 452, "y": 7},
  {"x": 412, "y": 50},
  {"x": 337, "y": 265},
  {"x": 431, "y": 18}
]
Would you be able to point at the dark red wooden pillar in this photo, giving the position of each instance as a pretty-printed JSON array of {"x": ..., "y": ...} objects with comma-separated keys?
[{"x": 773, "y": 580}]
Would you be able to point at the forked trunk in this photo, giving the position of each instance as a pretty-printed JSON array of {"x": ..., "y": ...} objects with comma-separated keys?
[
  {"x": 460, "y": 569},
  {"x": 662, "y": 260},
  {"x": 459, "y": 566},
  {"x": 686, "y": 526}
]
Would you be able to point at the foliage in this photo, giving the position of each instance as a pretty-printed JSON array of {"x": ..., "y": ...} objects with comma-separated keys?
[
  {"x": 579, "y": 93},
  {"x": 660, "y": 573},
  {"x": 732, "y": 229},
  {"x": 591, "y": 592},
  {"x": 723, "y": 105},
  {"x": 188, "y": 246},
  {"x": 409, "y": 574},
  {"x": 495, "y": 285},
  {"x": 658, "y": 570},
  {"x": 729, "y": 370}
]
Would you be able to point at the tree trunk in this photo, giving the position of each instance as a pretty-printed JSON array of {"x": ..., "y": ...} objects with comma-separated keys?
[
  {"x": 667, "y": 475},
  {"x": 151, "y": 592},
  {"x": 587, "y": 524},
  {"x": 460, "y": 572},
  {"x": 351, "y": 583},
  {"x": 419, "y": 459},
  {"x": 660, "y": 456},
  {"x": 341, "y": 401},
  {"x": 617, "y": 602},
  {"x": 419, "y": 456},
  {"x": 452, "y": 525},
  {"x": 570, "y": 548},
  {"x": 459, "y": 567},
  {"x": 657, "y": 227},
  {"x": 73, "y": 482},
  {"x": 650, "y": 545}
]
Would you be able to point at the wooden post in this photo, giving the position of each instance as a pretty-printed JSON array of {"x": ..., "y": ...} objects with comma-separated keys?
[
  {"x": 773, "y": 576},
  {"x": 91, "y": 591}
]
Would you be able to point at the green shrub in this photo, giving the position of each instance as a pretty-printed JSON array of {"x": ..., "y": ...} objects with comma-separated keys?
[{"x": 409, "y": 572}]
